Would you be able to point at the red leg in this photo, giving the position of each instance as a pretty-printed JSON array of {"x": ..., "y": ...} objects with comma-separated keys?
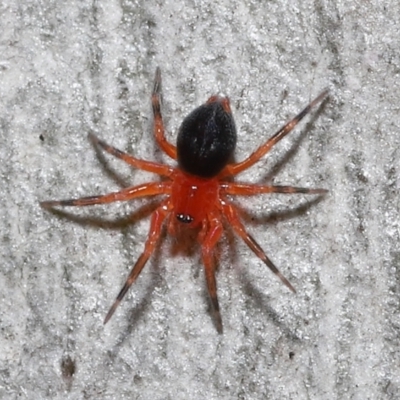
[
  {"x": 209, "y": 240},
  {"x": 233, "y": 218},
  {"x": 159, "y": 134},
  {"x": 242, "y": 189},
  {"x": 203, "y": 232},
  {"x": 147, "y": 189},
  {"x": 155, "y": 229},
  {"x": 149, "y": 166},
  {"x": 234, "y": 169}
]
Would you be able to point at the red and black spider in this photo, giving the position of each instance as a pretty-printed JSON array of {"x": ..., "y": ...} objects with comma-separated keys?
[{"x": 197, "y": 191}]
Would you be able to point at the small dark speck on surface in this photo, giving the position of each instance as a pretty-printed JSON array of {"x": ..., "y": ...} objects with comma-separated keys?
[{"x": 68, "y": 367}]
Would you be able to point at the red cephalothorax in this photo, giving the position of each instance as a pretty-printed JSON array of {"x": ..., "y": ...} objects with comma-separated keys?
[
  {"x": 197, "y": 193},
  {"x": 193, "y": 198}
]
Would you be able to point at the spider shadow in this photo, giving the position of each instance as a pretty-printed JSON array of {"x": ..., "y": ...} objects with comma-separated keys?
[
  {"x": 294, "y": 148},
  {"x": 139, "y": 310},
  {"x": 261, "y": 301},
  {"x": 182, "y": 243},
  {"x": 135, "y": 315},
  {"x": 259, "y": 298},
  {"x": 108, "y": 170},
  {"x": 274, "y": 217},
  {"x": 143, "y": 211}
]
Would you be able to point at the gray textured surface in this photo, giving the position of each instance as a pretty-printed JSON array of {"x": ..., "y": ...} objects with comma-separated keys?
[{"x": 66, "y": 69}]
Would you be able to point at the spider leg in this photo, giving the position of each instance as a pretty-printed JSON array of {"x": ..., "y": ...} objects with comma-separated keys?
[
  {"x": 209, "y": 240},
  {"x": 149, "y": 166},
  {"x": 155, "y": 230},
  {"x": 146, "y": 189},
  {"x": 233, "y": 218},
  {"x": 159, "y": 133},
  {"x": 234, "y": 169},
  {"x": 242, "y": 189}
]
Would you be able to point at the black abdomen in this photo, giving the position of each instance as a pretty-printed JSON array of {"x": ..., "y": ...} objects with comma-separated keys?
[{"x": 207, "y": 138}]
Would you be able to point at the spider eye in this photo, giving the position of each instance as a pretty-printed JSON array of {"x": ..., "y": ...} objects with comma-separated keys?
[{"x": 184, "y": 218}]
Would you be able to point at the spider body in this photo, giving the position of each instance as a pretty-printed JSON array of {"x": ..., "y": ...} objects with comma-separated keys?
[{"x": 197, "y": 193}]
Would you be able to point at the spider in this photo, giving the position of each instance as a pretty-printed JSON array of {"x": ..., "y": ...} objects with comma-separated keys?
[{"x": 197, "y": 191}]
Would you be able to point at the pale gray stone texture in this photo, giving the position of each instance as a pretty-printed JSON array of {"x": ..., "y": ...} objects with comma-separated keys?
[{"x": 69, "y": 68}]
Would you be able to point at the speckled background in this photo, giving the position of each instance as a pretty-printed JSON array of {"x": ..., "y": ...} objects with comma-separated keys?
[{"x": 67, "y": 68}]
